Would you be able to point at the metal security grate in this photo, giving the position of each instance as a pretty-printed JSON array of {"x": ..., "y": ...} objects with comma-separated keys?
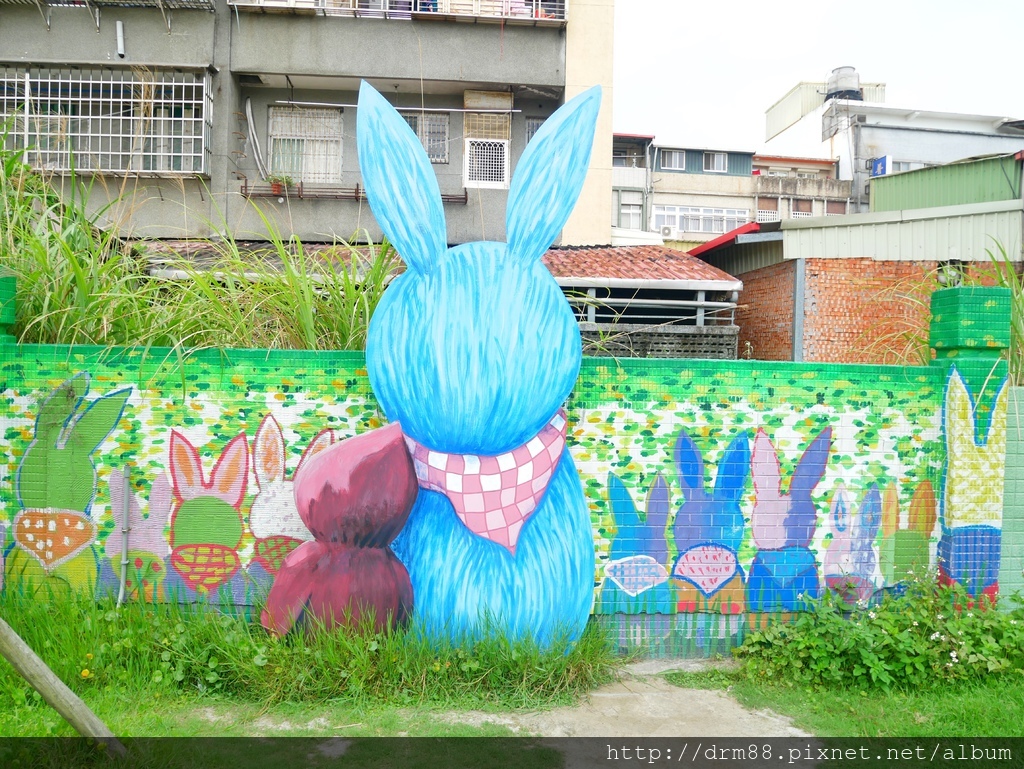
[
  {"x": 432, "y": 130},
  {"x": 488, "y": 125},
  {"x": 486, "y": 164},
  {"x": 108, "y": 120},
  {"x": 305, "y": 144}
]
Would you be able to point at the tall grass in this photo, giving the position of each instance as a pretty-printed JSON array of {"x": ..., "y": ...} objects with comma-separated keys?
[
  {"x": 81, "y": 283},
  {"x": 1008, "y": 275},
  {"x": 196, "y": 648}
]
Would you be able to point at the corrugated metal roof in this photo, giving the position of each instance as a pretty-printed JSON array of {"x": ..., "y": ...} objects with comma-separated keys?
[
  {"x": 963, "y": 233},
  {"x": 977, "y": 180}
]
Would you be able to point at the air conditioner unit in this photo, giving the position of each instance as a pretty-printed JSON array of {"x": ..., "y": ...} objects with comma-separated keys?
[{"x": 667, "y": 230}]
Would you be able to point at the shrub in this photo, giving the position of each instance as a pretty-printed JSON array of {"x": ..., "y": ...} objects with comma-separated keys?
[{"x": 927, "y": 634}]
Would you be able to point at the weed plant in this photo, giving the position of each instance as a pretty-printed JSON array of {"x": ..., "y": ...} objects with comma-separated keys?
[
  {"x": 79, "y": 283},
  {"x": 929, "y": 634},
  {"x": 182, "y": 648}
]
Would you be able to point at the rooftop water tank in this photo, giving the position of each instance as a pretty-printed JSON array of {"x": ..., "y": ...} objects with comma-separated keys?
[{"x": 844, "y": 83}]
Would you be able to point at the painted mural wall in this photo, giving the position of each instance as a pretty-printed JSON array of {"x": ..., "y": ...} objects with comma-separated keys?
[{"x": 716, "y": 491}]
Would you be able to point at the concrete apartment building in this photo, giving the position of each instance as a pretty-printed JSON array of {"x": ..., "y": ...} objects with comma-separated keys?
[
  {"x": 186, "y": 110},
  {"x": 689, "y": 196},
  {"x": 846, "y": 121}
]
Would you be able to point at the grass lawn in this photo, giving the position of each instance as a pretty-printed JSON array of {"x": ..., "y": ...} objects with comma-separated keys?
[{"x": 991, "y": 708}]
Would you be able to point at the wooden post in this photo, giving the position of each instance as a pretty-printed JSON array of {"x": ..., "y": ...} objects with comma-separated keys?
[{"x": 54, "y": 691}]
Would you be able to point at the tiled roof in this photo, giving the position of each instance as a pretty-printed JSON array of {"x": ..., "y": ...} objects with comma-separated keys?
[
  {"x": 633, "y": 263},
  {"x": 593, "y": 264}
]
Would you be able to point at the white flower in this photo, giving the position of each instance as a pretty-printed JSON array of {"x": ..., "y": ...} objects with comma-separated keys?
[
  {"x": 1013, "y": 622},
  {"x": 952, "y": 654},
  {"x": 872, "y": 615},
  {"x": 939, "y": 616},
  {"x": 970, "y": 614},
  {"x": 915, "y": 623},
  {"x": 933, "y": 637}
]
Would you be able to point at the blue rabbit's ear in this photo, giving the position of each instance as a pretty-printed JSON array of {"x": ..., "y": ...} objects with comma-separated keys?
[
  {"x": 622, "y": 504},
  {"x": 732, "y": 469},
  {"x": 400, "y": 184},
  {"x": 657, "y": 518},
  {"x": 549, "y": 176},
  {"x": 871, "y": 512},
  {"x": 690, "y": 467},
  {"x": 811, "y": 467}
]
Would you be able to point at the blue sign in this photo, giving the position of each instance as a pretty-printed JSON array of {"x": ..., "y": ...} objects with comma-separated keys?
[{"x": 881, "y": 166}]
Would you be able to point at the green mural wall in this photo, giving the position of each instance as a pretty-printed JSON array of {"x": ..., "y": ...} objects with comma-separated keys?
[{"x": 718, "y": 491}]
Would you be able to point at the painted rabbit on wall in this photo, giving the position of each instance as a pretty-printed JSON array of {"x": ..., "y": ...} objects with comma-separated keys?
[
  {"x": 635, "y": 586},
  {"x": 783, "y": 524},
  {"x": 972, "y": 502},
  {"x": 708, "y": 529},
  {"x": 473, "y": 350},
  {"x": 850, "y": 560}
]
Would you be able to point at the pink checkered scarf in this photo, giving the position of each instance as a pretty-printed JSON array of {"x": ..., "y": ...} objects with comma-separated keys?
[{"x": 494, "y": 495}]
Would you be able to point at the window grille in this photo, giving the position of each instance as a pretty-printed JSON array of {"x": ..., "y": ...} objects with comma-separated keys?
[
  {"x": 305, "y": 144},
  {"x": 694, "y": 219},
  {"x": 432, "y": 130},
  {"x": 533, "y": 125},
  {"x": 486, "y": 163},
  {"x": 488, "y": 125},
  {"x": 631, "y": 207},
  {"x": 109, "y": 120}
]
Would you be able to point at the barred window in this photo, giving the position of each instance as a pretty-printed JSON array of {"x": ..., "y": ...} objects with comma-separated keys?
[
  {"x": 305, "y": 143},
  {"x": 432, "y": 130},
  {"x": 533, "y": 125},
  {"x": 109, "y": 120},
  {"x": 487, "y": 149},
  {"x": 486, "y": 163}
]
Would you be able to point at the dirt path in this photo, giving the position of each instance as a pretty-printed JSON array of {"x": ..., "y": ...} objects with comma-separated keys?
[{"x": 642, "y": 704}]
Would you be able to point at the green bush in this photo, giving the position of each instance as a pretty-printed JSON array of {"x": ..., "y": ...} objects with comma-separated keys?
[{"x": 928, "y": 634}]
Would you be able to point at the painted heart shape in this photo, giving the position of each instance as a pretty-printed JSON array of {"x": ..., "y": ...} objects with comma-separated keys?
[
  {"x": 636, "y": 574},
  {"x": 707, "y": 567},
  {"x": 53, "y": 536}
]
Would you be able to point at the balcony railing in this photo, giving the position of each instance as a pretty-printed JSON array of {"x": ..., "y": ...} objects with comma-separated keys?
[
  {"x": 326, "y": 192},
  {"x": 531, "y": 12},
  {"x": 764, "y": 216},
  {"x": 630, "y": 177},
  {"x": 801, "y": 214}
]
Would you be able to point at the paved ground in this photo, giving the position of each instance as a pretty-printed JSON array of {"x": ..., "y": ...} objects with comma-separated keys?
[{"x": 642, "y": 704}]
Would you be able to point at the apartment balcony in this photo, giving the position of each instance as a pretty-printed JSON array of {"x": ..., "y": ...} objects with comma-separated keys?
[
  {"x": 796, "y": 187},
  {"x": 535, "y": 13},
  {"x": 638, "y": 178}
]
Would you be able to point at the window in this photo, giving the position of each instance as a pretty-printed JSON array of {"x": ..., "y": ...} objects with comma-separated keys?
[
  {"x": 694, "y": 219},
  {"x": 900, "y": 165},
  {"x": 532, "y": 126},
  {"x": 777, "y": 172},
  {"x": 806, "y": 175},
  {"x": 305, "y": 143},
  {"x": 631, "y": 209},
  {"x": 486, "y": 152},
  {"x": 619, "y": 159},
  {"x": 108, "y": 120},
  {"x": 835, "y": 207},
  {"x": 715, "y": 162},
  {"x": 673, "y": 160},
  {"x": 432, "y": 130},
  {"x": 801, "y": 208},
  {"x": 767, "y": 209}
]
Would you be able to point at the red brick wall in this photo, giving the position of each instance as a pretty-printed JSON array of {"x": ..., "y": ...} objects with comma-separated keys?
[
  {"x": 867, "y": 311},
  {"x": 765, "y": 312}
]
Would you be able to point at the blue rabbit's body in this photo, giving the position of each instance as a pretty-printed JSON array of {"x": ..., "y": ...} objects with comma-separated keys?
[
  {"x": 465, "y": 585},
  {"x": 473, "y": 350}
]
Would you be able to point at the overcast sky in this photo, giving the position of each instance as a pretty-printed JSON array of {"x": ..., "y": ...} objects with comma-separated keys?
[{"x": 703, "y": 73}]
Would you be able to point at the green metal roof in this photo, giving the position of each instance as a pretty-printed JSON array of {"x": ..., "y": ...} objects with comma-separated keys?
[{"x": 978, "y": 180}]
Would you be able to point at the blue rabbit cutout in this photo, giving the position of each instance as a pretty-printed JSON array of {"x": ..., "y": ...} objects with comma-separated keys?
[{"x": 472, "y": 350}]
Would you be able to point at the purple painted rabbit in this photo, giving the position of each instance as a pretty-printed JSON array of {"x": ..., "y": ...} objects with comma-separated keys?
[{"x": 785, "y": 569}]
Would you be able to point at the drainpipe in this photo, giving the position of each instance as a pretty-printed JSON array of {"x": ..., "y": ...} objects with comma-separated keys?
[
  {"x": 800, "y": 281},
  {"x": 126, "y": 500}
]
